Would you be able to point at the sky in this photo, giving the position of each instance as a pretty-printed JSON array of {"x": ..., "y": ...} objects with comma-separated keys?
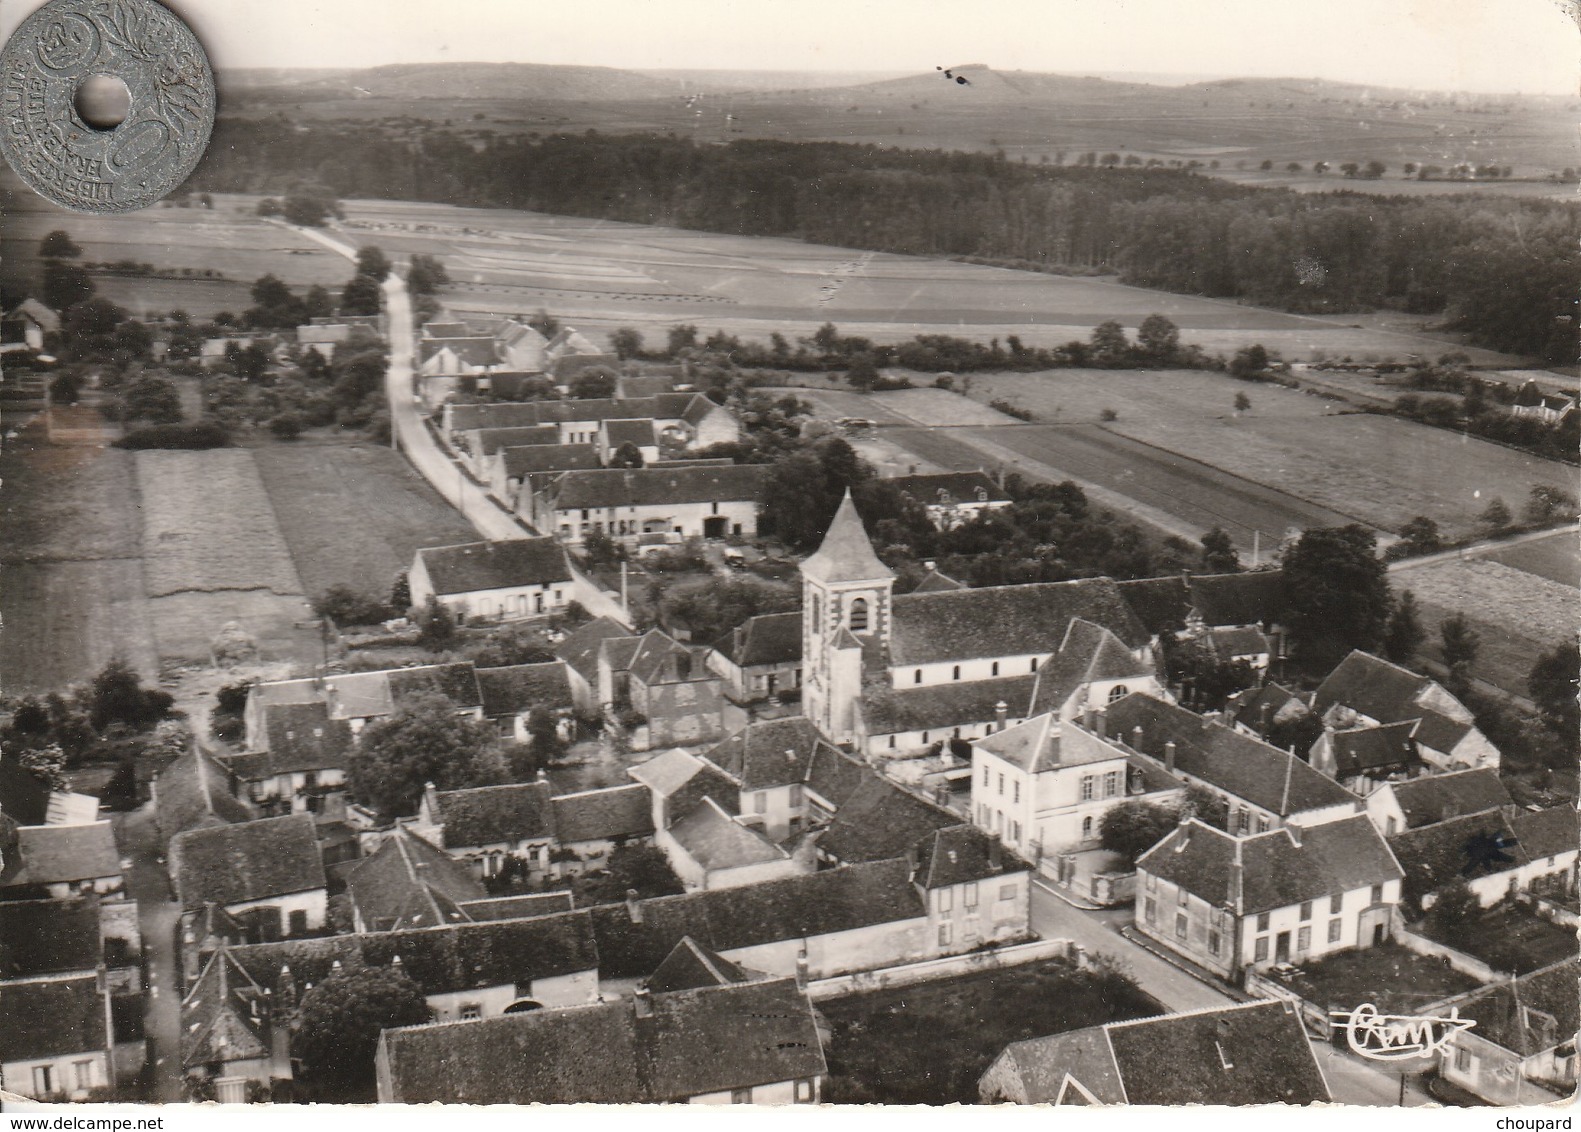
[{"x": 1531, "y": 46}]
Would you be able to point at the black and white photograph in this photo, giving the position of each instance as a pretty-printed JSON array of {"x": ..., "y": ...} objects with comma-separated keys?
[{"x": 879, "y": 552}]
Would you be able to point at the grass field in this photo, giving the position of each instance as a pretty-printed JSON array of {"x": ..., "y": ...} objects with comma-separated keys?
[
  {"x": 1556, "y": 557},
  {"x": 1519, "y": 615},
  {"x": 71, "y": 571},
  {"x": 354, "y": 514},
  {"x": 1381, "y": 470},
  {"x": 230, "y": 239}
]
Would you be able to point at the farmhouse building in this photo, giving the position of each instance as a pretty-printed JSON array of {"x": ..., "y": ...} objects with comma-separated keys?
[
  {"x": 56, "y": 1037},
  {"x": 1522, "y": 1049},
  {"x": 513, "y": 466},
  {"x": 1496, "y": 852},
  {"x": 1232, "y": 904},
  {"x": 60, "y": 861},
  {"x": 511, "y": 694},
  {"x": 495, "y": 581},
  {"x": 361, "y": 697},
  {"x": 1254, "y": 1053},
  {"x": 683, "y": 420},
  {"x": 570, "y": 352},
  {"x": 639, "y": 434},
  {"x": 760, "y": 658},
  {"x": 1533, "y": 403},
  {"x": 669, "y": 505},
  {"x": 408, "y": 883},
  {"x": 735, "y": 1043},
  {"x": 1263, "y": 787},
  {"x": 24, "y": 326},
  {"x": 953, "y": 498},
  {"x": 1363, "y": 758},
  {"x": 1044, "y": 786},
  {"x": 268, "y": 873},
  {"x": 669, "y": 695},
  {"x": 1367, "y": 691},
  {"x": 28, "y": 800},
  {"x": 303, "y": 765},
  {"x": 1429, "y": 799},
  {"x": 580, "y": 651}
]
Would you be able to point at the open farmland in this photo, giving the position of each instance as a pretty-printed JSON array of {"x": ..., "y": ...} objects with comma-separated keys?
[
  {"x": 1556, "y": 557},
  {"x": 230, "y": 239},
  {"x": 1519, "y": 615},
  {"x": 354, "y": 515},
  {"x": 1381, "y": 470},
  {"x": 71, "y": 571},
  {"x": 603, "y": 274},
  {"x": 214, "y": 553}
]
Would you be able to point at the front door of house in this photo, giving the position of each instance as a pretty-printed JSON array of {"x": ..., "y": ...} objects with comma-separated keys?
[
  {"x": 715, "y": 526},
  {"x": 1282, "y": 948}
]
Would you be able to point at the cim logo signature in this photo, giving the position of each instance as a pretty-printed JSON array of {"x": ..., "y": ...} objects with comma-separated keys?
[{"x": 1398, "y": 1037}]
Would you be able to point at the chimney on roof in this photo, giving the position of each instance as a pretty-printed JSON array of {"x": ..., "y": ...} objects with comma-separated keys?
[
  {"x": 996, "y": 852},
  {"x": 633, "y": 906},
  {"x": 1001, "y": 714},
  {"x": 642, "y": 1002},
  {"x": 287, "y": 986},
  {"x": 1295, "y": 833},
  {"x": 911, "y": 862},
  {"x": 1136, "y": 737},
  {"x": 1267, "y": 710},
  {"x": 1089, "y": 717},
  {"x": 801, "y": 969},
  {"x": 1169, "y": 756},
  {"x": 930, "y": 567}
]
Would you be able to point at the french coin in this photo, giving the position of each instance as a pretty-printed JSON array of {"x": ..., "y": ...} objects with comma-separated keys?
[{"x": 64, "y": 158}]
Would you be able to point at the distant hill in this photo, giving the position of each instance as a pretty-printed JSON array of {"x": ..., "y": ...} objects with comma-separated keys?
[
  {"x": 708, "y": 81},
  {"x": 537, "y": 82}
]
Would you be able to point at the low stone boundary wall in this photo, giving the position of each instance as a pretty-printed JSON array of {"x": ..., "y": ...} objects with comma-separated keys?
[
  {"x": 909, "y": 974},
  {"x": 1458, "y": 960}
]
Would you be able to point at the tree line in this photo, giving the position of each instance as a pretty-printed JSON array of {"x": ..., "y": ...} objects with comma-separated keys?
[{"x": 1506, "y": 271}]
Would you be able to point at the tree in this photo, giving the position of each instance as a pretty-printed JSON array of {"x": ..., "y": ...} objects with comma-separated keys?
[
  {"x": 336, "y": 1029},
  {"x": 862, "y": 373},
  {"x": 593, "y": 382},
  {"x": 1207, "y": 807},
  {"x": 628, "y": 455},
  {"x": 118, "y": 696},
  {"x": 1548, "y": 504},
  {"x": 64, "y": 285},
  {"x": 269, "y": 206},
  {"x": 436, "y": 626},
  {"x": 285, "y": 426},
  {"x": 1496, "y": 518},
  {"x": 1132, "y": 828},
  {"x": 153, "y": 399},
  {"x": 638, "y": 868},
  {"x": 372, "y": 261},
  {"x": 306, "y": 209},
  {"x": 1454, "y": 914},
  {"x": 346, "y": 606},
  {"x": 1403, "y": 635},
  {"x": 1337, "y": 593},
  {"x": 714, "y": 607},
  {"x": 1110, "y": 347},
  {"x": 1461, "y": 644},
  {"x": 400, "y": 593},
  {"x": 1553, "y": 684},
  {"x": 626, "y": 342},
  {"x": 1249, "y": 362},
  {"x": 1419, "y": 536},
  {"x": 317, "y": 303},
  {"x": 361, "y": 295},
  {"x": 683, "y": 337},
  {"x": 58, "y": 245},
  {"x": 1243, "y": 403},
  {"x": 1373, "y": 170},
  {"x": 425, "y": 740},
  {"x": 544, "y": 747},
  {"x": 426, "y": 274},
  {"x": 1219, "y": 555},
  {"x": 1159, "y": 339}
]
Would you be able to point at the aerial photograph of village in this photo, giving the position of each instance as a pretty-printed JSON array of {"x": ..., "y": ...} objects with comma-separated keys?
[{"x": 732, "y": 557}]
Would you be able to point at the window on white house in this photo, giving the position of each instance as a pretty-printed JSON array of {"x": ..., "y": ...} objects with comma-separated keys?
[
  {"x": 955, "y": 673},
  {"x": 1334, "y": 930},
  {"x": 1015, "y": 832},
  {"x": 1118, "y": 692},
  {"x": 1089, "y": 784},
  {"x": 1214, "y": 941},
  {"x": 796, "y": 794},
  {"x": 1001, "y": 785},
  {"x": 471, "y": 1011},
  {"x": 1244, "y": 821},
  {"x": 1086, "y": 829},
  {"x": 740, "y": 1096},
  {"x": 969, "y": 895},
  {"x": 1304, "y": 939},
  {"x": 1015, "y": 791},
  {"x": 946, "y": 934},
  {"x": 1180, "y": 925},
  {"x": 1336, "y": 904},
  {"x": 1306, "y": 909},
  {"x": 804, "y": 1091},
  {"x": 995, "y": 670},
  {"x": 916, "y": 677},
  {"x": 1260, "y": 950},
  {"x": 1034, "y": 664},
  {"x": 985, "y": 774},
  {"x": 946, "y": 899},
  {"x": 1262, "y": 824},
  {"x": 1007, "y": 892},
  {"x": 1111, "y": 783},
  {"x": 1262, "y": 921},
  {"x": 1150, "y": 910},
  {"x": 1377, "y": 894}
]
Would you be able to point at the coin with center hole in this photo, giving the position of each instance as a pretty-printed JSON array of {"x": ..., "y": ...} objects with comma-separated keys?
[{"x": 105, "y": 105}]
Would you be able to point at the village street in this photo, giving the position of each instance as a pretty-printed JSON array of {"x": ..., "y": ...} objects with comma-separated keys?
[
  {"x": 137, "y": 837},
  {"x": 406, "y": 424}
]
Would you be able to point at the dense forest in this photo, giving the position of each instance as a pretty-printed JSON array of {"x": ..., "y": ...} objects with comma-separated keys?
[{"x": 1506, "y": 271}]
